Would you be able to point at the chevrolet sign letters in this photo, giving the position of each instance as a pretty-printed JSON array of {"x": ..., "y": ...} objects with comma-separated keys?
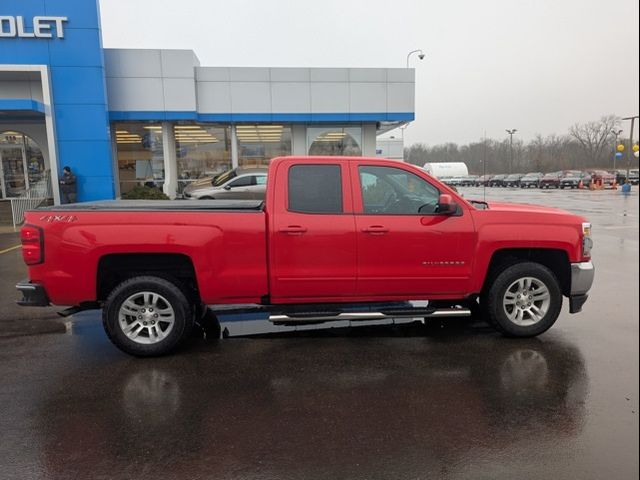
[{"x": 43, "y": 27}]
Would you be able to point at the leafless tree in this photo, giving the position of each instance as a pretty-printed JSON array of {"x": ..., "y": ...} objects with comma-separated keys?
[
  {"x": 594, "y": 136},
  {"x": 584, "y": 148}
]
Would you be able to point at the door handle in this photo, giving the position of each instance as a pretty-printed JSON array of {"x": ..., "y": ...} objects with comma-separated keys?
[
  {"x": 293, "y": 230},
  {"x": 376, "y": 229}
]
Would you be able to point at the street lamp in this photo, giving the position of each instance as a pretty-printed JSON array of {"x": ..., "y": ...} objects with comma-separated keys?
[
  {"x": 420, "y": 53},
  {"x": 511, "y": 132},
  {"x": 633, "y": 121},
  {"x": 616, "y": 133}
]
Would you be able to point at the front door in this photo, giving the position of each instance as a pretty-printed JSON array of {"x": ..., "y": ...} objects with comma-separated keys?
[
  {"x": 312, "y": 234},
  {"x": 405, "y": 248}
]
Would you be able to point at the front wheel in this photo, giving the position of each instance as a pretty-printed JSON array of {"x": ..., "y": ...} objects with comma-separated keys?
[
  {"x": 524, "y": 300},
  {"x": 147, "y": 316}
]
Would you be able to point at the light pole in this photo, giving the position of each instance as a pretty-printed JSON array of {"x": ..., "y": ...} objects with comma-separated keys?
[
  {"x": 630, "y": 154},
  {"x": 616, "y": 133},
  {"x": 511, "y": 132},
  {"x": 420, "y": 55}
]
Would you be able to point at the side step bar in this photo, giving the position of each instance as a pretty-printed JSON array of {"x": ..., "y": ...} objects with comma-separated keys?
[{"x": 366, "y": 316}]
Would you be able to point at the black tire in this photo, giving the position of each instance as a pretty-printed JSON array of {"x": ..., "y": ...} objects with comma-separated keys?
[
  {"x": 173, "y": 296},
  {"x": 492, "y": 301}
]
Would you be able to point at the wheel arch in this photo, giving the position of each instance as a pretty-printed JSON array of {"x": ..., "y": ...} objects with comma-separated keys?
[
  {"x": 116, "y": 268},
  {"x": 556, "y": 260}
]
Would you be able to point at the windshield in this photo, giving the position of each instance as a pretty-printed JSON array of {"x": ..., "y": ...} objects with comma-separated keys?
[{"x": 223, "y": 178}]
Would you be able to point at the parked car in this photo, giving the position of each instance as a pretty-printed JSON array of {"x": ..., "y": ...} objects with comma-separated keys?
[
  {"x": 513, "y": 180},
  {"x": 551, "y": 180},
  {"x": 335, "y": 235},
  {"x": 573, "y": 179},
  {"x": 621, "y": 176},
  {"x": 454, "y": 181},
  {"x": 602, "y": 177},
  {"x": 483, "y": 180},
  {"x": 468, "y": 181},
  {"x": 531, "y": 180},
  {"x": 236, "y": 184},
  {"x": 497, "y": 180}
]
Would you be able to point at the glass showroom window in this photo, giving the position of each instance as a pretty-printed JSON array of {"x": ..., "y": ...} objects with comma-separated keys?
[
  {"x": 140, "y": 155},
  {"x": 258, "y": 144},
  {"x": 202, "y": 150},
  {"x": 21, "y": 164},
  {"x": 332, "y": 140}
]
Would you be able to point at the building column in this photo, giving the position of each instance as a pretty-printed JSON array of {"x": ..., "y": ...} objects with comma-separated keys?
[
  {"x": 369, "y": 140},
  {"x": 234, "y": 147},
  {"x": 52, "y": 144},
  {"x": 114, "y": 161},
  {"x": 298, "y": 139},
  {"x": 170, "y": 186}
]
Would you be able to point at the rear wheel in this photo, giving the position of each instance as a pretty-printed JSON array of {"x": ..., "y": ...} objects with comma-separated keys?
[
  {"x": 147, "y": 316},
  {"x": 524, "y": 300}
]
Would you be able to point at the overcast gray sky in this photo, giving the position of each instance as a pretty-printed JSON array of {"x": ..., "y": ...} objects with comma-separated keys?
[{"x": 538, "y": 66}]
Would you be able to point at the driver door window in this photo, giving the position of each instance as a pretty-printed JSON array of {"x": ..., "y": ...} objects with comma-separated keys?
[{"x": 393, "y": 191}]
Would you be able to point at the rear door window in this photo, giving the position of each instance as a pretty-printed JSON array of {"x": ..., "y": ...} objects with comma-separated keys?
[
  {"x": 245, "y": 181},
  {"x": 315, "y": 189},
  {"x": 261, "y": 180}
]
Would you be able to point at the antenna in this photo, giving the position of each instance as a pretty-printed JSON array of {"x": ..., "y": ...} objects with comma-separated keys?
[{"x": 484, "y": 167}]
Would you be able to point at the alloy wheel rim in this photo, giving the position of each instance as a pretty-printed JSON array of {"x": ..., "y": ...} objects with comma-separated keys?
[
  {"x": 146, "y": 317},
  {"x": 526, "y": 301}
]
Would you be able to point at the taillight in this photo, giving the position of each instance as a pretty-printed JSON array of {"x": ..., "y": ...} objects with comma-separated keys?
[{"x": 32, "y": 239}]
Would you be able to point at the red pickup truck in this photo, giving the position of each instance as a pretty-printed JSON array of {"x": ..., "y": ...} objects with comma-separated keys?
[{"x": 334, "y": 235}]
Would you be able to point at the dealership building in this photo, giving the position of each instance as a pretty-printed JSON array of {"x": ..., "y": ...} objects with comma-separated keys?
[{"x": 123, "y": 117}]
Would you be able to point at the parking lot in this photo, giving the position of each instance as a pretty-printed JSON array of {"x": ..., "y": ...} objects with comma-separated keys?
[{"x": 450, "y": 399}]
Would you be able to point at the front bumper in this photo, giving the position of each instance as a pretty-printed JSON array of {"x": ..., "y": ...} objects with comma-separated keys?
[
  {"x": 33, "y": 295},
  {"x": 582, "y": 275}
]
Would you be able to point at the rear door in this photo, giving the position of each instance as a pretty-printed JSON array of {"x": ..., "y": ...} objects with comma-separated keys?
[{"x": 312, "y": 233}]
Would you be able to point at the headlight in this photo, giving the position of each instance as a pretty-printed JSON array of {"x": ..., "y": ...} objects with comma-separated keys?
[{"x": 587, "y": 242}]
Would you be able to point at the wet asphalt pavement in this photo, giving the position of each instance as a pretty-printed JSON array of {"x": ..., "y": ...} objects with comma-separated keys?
[{"x": 446, "y": 400}]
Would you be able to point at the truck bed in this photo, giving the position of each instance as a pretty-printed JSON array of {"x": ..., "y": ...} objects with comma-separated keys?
[
  {"x": 161, "y": 205},
  {"x": 223, "y": 243}
]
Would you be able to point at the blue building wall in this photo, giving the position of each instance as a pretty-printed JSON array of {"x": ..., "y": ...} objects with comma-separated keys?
[{"x": 79, "y": 99}]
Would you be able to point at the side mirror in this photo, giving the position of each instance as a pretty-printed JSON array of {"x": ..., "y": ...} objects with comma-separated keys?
[
  {"x": 227, "y": 187},
  {"x": 446, "y": 205}
]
